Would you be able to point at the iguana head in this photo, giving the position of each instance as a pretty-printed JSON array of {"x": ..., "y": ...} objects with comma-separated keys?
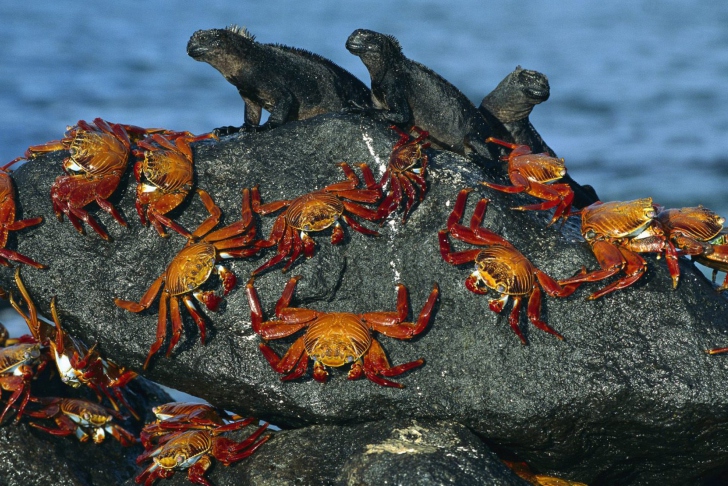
[
  {"x": 373, "y": 47},
  {"x": 224, "y": 49},
  {"x": 515, "y": 96}
]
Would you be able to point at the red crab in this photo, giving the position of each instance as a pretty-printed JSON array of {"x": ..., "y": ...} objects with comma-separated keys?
[
  {"x": 500, "y": 267},
  {"x": 19, "y": 364},
  {"x": 77, "y": 363},
  {"x": 192, "y": 450},
  {"x": 165, "y": 176},
  {"x": 99, "y": 156},
  {"x": 405, "y": 178},
  {"x": 81, "y": 418},
  {"x": 617, "y": 231},
  {"x": 317, "y": 211},
  {"x": 8, "y": 222},
  {"x": 192, "y": 267},
  {"x": 531, "y": 173},
  {"x": 178, "y": 416},
  {"x": 337, "y": 338},
  {"x": 698, "y": 232}
]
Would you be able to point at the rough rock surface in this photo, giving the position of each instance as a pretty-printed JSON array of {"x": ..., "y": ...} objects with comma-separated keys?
[
  {"x": 621, "y": 400},
  {"x": 386, "y": 452},
  {"x": 30, "y": 457}
]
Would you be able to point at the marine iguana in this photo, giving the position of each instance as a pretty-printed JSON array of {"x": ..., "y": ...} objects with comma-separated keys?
[
  {"x": 290, "y": 83},
  {"x": 507, "y": 109},
  {"x": 408, "y": 93}
]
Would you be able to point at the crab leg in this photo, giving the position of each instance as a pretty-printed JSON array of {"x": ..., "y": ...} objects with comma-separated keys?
[
  {"x": 211, "y": 220},
  {"x": 534, "y": 313},
  {"x": 296, "y": 354},
  {"x": 146, "y": 299},
  {"x": 381, "y": 322},
  {"x": 176, "y": 324},
  {"x": 376, "y": 366},
  {"x": 513, "y": 318},
  {"x": 355, "y": 225},
  {"x": 161, "y": 328},
  {"x": 196, "y": 316},
  {"x": 458, "y": 257}
]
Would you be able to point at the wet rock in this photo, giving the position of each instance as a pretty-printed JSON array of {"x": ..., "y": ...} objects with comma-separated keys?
[
  {"x": 29, "y": 456},
  {"x": 406, "y": 452},
  {"x": 621, "y": 400}
]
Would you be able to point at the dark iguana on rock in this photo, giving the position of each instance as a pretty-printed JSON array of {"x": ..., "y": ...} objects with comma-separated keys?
[
  {"x": 290, "y": 83},
  {"x": 407, "y": 93},
  {"x": 507, "y": 109}
]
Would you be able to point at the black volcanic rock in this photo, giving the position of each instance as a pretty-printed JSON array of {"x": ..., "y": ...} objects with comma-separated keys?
[{"x": 621, "y": 400}]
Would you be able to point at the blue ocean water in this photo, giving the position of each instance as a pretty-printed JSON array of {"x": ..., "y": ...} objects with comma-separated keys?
[{"x": 638, "y": 101}]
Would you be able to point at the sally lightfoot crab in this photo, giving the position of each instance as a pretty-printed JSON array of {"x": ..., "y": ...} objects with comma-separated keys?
[
  {"x": 317, "y": 211},
  {"x": 617, "y": 232},
  {"x": 337, "y": 338},
  {"x": 698, "y": 232},
  {"x": 8, "y": 222},
  {"x": 405, "y": 172},
  {"x": 193, "y": 450},
  {"x": 81, "y": 418},
  {"x": 165, "y": 175},
  {"x": 99, "y": 157},
  {"x": 532, "y": 174},
  {"x": 191, "y": 268},
  {"x": 500, "y": 267}
]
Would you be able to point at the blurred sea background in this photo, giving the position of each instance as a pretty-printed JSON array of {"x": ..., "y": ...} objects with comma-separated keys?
[{"x": 638, "y": 107}]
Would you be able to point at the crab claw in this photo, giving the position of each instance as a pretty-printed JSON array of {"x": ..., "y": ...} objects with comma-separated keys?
[
  {"x": 319, "y": 372},
  {"x": 229, "y": 280},
  {"x": 496, "y": 305},
  {"x": 475, "y": 284},
  {"x": 337, "y": 234},
  {"x": 209, "y": 298}
]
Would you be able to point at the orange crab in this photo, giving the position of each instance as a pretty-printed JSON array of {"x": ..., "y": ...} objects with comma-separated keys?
[
  {"x": 317, "y": 211},
  {"x": 191, "y": 450},
  {"x": 99, "y": 156},
  {"x": 165, "y": 176},
  {"x": 81, "y": 418},
  {"x": 698, "y": 232},
  {"x": 337, "y": 338},
  {"x": 77, "y": 363},
  {"x": 531, "y": 173},
  {"x": 178, "y": 416},
  {"x": 192, "y": 267},
  {"x": 617, "y": 231},
  {"x": 8, "y": 222},
  {"x": 500, "y": 267},
  {"x": 19, "y": 364},
  {"x": 403, "y": 173}
]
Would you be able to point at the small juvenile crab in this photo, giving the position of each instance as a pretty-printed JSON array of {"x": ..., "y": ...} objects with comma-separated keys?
[
  {"x": 500, "y": 267},
  {"x": 165, "y": 176},
  {"x": 77, "y": 363},
  {"x": 617, "y": 231},
  {"x": 19, "y": 364},
  {"x": 8, "y": 222},
  {"x": 99, "y": 157},
  {"x": 81, "y": 418},
  {"x": 405, "y": 178},
  {"x": 698, "y": 232},
  {"x": 531, "y": 173},
  {"x": 192, "y": 450},
  {"x": 337, "y": 338},
  {"x": 192, "y": 267},
  {"x": 178, "y": 416},
  {"x": 317, "y": 211}
]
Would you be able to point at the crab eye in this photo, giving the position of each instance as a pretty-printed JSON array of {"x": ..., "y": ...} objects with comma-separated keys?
[
  {"x": 590, "y": 235},
  {"x": 500, "y": 288},
  {"x": 179, "y": 459}
]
